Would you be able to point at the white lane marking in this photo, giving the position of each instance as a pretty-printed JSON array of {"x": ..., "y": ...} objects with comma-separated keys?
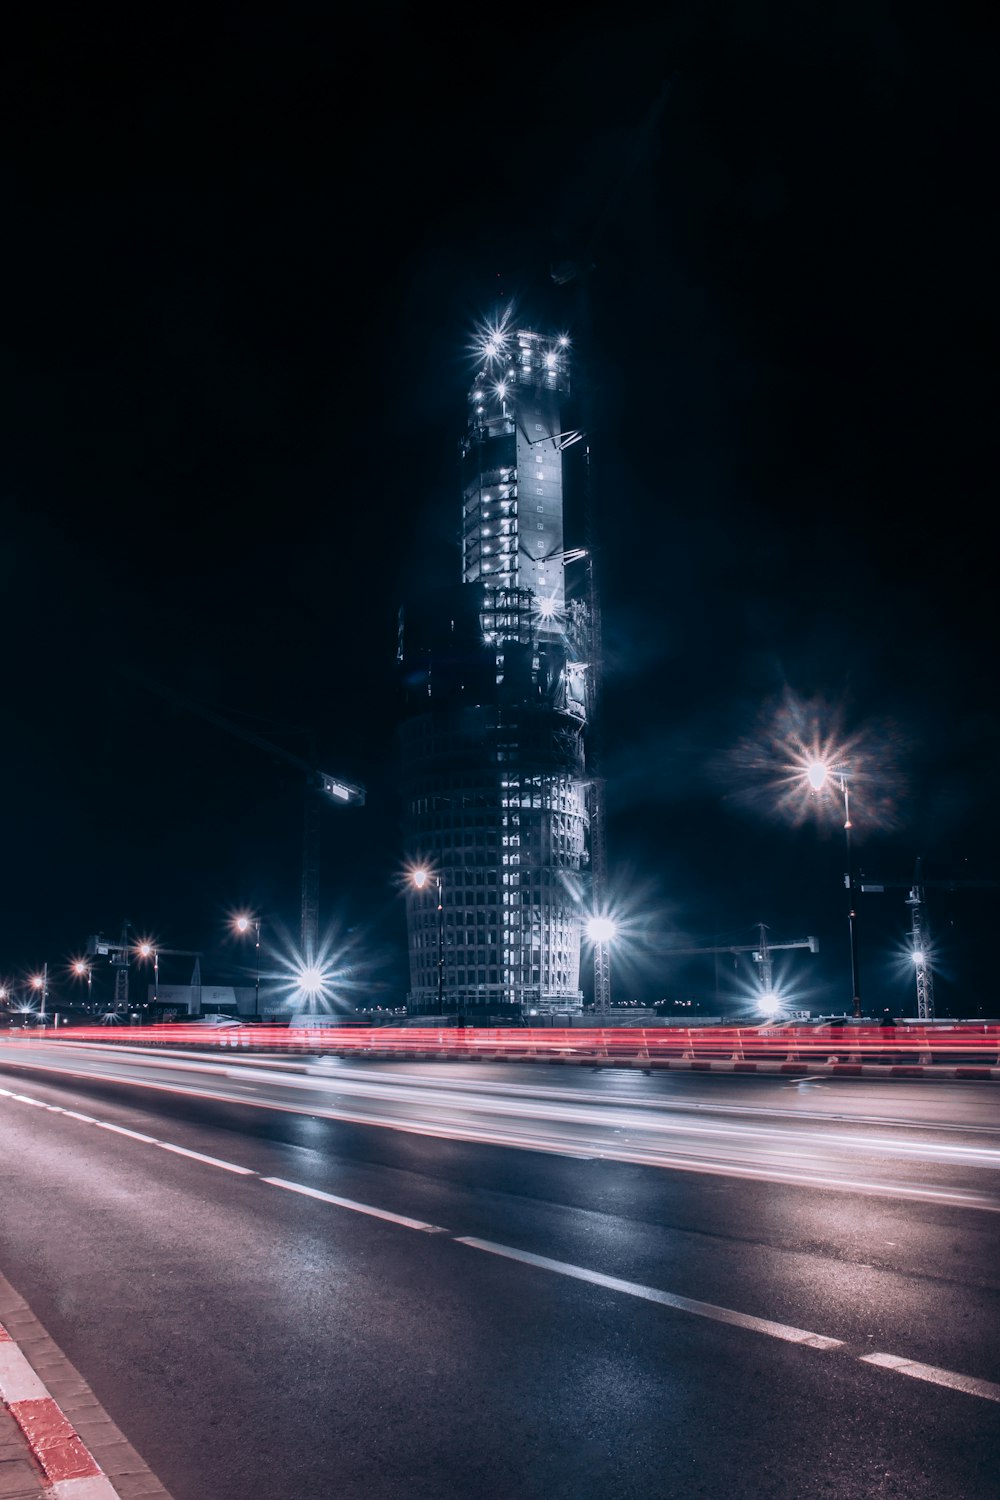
[
  {"x": 360, "y": 1208},
  {"x": 967, "y": 1383},
  {"x": 668, "y": 1299},
  {"x": 136, "y": 1135},
  {"x": 212, "y": 1161}
]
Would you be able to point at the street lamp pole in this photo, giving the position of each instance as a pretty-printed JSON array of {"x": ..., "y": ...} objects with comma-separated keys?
[
  {"x": 149, "y": 950},
  {"x": 81, "y": 968},
  {"x": 440, "y": 898},
  {"x": 817, "y": 774},
  {"x": 256, "y": 976},
  {"x": 852, "y": 914},
  {"x": 40, "y": 982},
  {"x": 420, "y": 878},
  {"x": 243, "y": 924}
]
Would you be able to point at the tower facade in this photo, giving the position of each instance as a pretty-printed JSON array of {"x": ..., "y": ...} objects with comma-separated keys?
[{"x": 494, "y": 675}]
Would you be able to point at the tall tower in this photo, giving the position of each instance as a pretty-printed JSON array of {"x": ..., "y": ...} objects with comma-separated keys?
[{"x": 495, "y": 681}]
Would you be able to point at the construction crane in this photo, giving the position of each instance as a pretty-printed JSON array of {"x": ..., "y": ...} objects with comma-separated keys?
[
  {"x": 119, "y": 955},
  {"x": 319, "y": 786},
  {"x": 919, "y": 931},
  {"x": 761, "y": 952}
]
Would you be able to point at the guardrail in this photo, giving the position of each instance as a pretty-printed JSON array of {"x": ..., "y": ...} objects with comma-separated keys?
[{"x": 898, "y": 1046}]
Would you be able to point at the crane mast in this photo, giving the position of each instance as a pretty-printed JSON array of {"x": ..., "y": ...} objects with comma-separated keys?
[
  {"x": 119, "y": 955},
  {"x": 920, "y": 939}
]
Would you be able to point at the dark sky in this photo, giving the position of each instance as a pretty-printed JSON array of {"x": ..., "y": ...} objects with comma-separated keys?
[{"x": 244, "y": 253}]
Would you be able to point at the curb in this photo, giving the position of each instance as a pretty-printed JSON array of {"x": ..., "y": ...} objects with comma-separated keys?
[
  {"x": 77, "y": 1451},
  {"x": 67, "y": 1464}
]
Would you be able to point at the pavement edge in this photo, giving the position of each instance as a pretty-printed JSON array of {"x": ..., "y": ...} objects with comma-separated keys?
[{"x": 80, "y": 1451}]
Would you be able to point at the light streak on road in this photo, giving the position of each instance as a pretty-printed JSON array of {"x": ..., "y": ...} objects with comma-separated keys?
[
  {"x": 807, "y": 1338},
  {"x": 975, "y": 1043},
  {"x": 654, "y": 1129}
]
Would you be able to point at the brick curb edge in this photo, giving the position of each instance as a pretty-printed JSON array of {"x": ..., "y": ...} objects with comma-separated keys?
[{"x": 79, "y": 1450}]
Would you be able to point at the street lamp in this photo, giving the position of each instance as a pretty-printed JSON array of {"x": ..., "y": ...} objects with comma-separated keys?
[
  {"x": 243, "y": 924},
  {"x": 421, "y": 878},
  {"x": 147, "y": 950},
  {"x": 819, "y": 774},
  {"x": 40, "y": 982},
  {"x": 601, "y": 931},
  {"x": 82, "y": 969}
]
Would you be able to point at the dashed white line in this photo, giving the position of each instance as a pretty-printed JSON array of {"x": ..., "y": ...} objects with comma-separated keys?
[
  {"x": 967, "y": 1384},
  {"x": 211, "y": 1161},
  {"x": 667, "y": 1299},
  {"x": 136, "y": 1135},
  {"x": 359, "y": 1208}
]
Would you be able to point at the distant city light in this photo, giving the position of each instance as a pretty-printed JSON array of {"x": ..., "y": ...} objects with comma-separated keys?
[
  {"x": 601, "y": 929},
  {"x": 769, "y": 1005}
]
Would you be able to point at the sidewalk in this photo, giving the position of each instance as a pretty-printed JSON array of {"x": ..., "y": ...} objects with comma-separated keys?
[{"x": 56, "y": 1440}]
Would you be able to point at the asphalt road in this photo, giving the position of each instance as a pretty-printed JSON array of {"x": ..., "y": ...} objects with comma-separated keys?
[{"x": 336, "y": 1279}]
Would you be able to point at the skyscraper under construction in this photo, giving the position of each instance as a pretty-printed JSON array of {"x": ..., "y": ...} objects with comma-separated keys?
[{"x": 495, "y": 674}]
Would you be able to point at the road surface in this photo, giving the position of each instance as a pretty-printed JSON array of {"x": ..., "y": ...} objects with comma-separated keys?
[{"x": 302, "y": 1279}]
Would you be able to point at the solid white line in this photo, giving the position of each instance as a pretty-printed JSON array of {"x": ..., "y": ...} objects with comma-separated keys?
[
  {"x": 668, "y": 1299},
  {"x": 212, "y": 1161},
  {"x": 931, "y": 1373},
  {"x": 361, "y": 1208}
]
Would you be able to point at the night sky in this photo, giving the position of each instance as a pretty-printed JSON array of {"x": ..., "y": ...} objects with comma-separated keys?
[{"x": 245, "y": 253}]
